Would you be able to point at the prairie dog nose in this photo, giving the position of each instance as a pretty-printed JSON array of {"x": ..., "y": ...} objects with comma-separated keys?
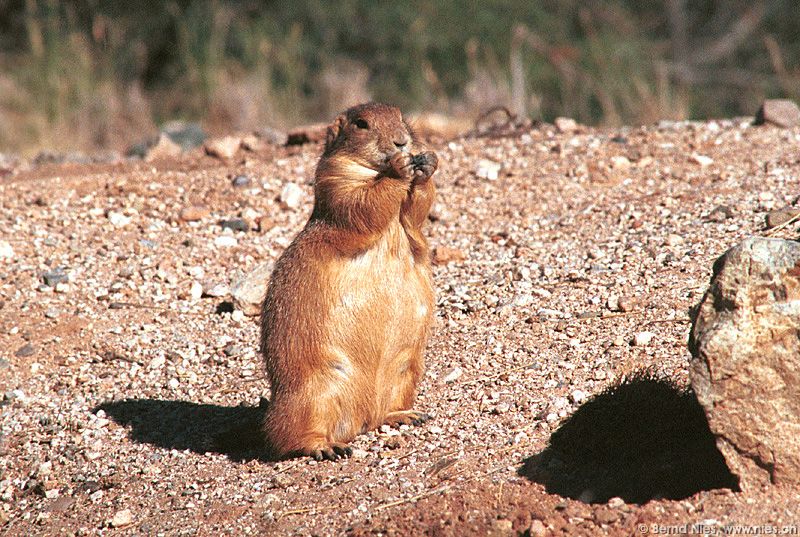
[{"x": 401, "y": 141}]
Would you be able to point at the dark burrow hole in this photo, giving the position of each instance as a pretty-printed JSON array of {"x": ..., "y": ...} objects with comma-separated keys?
[
  {"x": 225, "y": 306},
  {"x": 645, "y": 438}
]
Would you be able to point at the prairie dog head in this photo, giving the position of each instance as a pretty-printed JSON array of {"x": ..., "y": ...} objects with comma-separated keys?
[{"x": 368, "y": 135}]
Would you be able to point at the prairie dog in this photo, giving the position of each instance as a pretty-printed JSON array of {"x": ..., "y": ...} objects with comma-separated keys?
[{"x": 350, "y": 302}]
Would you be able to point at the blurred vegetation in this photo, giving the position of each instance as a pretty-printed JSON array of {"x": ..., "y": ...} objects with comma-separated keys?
[{"x": 100, "y": 74}]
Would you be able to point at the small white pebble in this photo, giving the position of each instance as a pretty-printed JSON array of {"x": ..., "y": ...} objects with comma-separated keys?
[
  {"x": 620, "y": 162},
  {"x": 62, "y": 287},
  {"x": 616, "y": 502},
  {"x": 700, "y": 160},
  {"x": 487, "y": 169},
  {"x": 674, "y": 240},
  {"x": 118, "y": 219},
  {"x": 291, "y": 196},
  {"x": 453, "y": 375},
  {"x": 45, "y": 469},
  {"x": 578, "y": 396},
  {"x": 6, "y": 251},
  {"x": 196, "y": 272},
  {"x": 225, "y": 241},
  {"x": 196, "y": 291},
  {"x": 122, "y": 518},
  {"x": 642, "y": 339}
]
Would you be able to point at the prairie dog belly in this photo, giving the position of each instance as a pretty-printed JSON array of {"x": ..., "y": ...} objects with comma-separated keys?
[{"x": 382, "y": 301}]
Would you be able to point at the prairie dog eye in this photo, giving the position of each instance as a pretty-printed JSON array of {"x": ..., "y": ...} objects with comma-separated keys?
[{"x": 361, "y": 123}]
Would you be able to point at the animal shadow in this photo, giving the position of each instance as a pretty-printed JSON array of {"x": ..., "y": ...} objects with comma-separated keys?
[
  {"x": 644, "y": 438},
  {"x": 201, "y": 428}
]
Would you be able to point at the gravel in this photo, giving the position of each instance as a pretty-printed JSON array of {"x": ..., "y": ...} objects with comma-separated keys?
[{"x": 545, "y": 274}]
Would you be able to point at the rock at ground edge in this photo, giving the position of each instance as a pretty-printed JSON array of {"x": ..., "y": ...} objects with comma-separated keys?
[
  {"x": 745, "y": 368},
  {"x": 781, "y": 112}
]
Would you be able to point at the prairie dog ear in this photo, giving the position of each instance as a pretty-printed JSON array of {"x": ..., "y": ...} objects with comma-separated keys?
[{"x": 333, "y": 131}]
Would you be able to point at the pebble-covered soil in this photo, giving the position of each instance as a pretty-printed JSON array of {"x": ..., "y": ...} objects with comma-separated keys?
[{"x": 565, "y": 262}]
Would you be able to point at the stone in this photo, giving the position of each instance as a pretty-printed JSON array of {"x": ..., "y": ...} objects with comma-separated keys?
[
  {"x": 252, "y": 142},
  {"x": 578, "y": 396},
  {"x": 606, "y": 516},
  {"x": 225, "y": 241},
  {"x": 6, "y": 251},
  {"x": 187, "y": 135},
  {"x": 701, "y": 160},
  {"x": 25, "y": 351},
  {"x": 745, "y": 366},
  {"x": 674, "y": 240},
  {"x": 779, "y": 217},
  {"x": 232, "y": 350},
  {"x": 522, "y": 300},
  {"x": 194, "y": 213},
  {"x": 122, "y": 518},
  {"x": 195, "y": 291},
  {"x": 216, "y": 290},
  {"x": 642, "y": 339},
  {"x": 620, "y": 162},
  {"x": 223, "y": 148},
  {"x": 118, "y": 219},
  {"x": 62, "y": 287},
  {"x": 249, "y": 291},
  {"x": 235, "y": 224},
  {"x": 291, "y": 196},
  {"x": 241, "y": 181},
  {"x": 488, "y": 169},
  {"x": 59, "y": 505},
  {"x": 307, "y": 134},
  {"x": 157, "y": 362},
  {"x": 627, "y": 303},
  {"x": 502, "y": 526},
  {"x": 537, "y": 529},
  {"x": 273, "y": 136},
  {"x": 616, "y": 502},
  {"x": 453, "y": 375},
  {"x": 565, "y": 124},
  {"x": 263, "y": 223},
  {"x": 54, "y": 277},
  {"x": 780, "y": 112},
  {"x": 443, "y": 255},
  {"x": 720, "y": 213},
  {"x": 163, "y": 148}
]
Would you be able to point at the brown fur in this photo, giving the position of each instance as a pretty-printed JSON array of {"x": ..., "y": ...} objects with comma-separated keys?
[{"x": 350, "y": 303}]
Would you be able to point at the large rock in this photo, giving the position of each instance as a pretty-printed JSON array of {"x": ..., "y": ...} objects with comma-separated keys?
[
  {"x": 781, "y": 112},
  {"x": 745, "y": 343},
  {"x": 248, "y": 293}
]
